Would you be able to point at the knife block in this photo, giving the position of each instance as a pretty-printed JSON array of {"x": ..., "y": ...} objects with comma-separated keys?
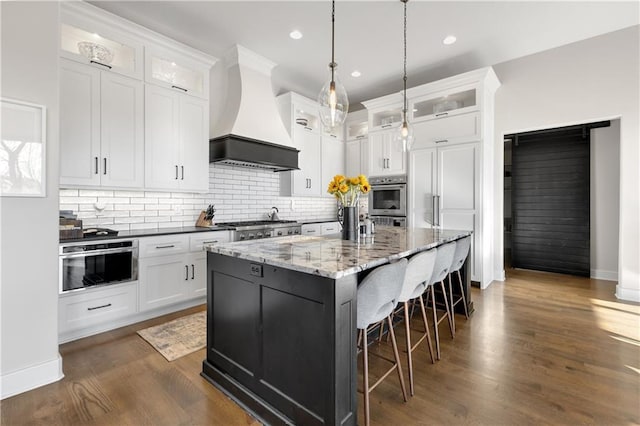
[{"x": 202, "y": 222}]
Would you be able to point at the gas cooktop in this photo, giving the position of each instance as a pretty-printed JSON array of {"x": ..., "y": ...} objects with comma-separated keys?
[{"x": 257, "y": 229}]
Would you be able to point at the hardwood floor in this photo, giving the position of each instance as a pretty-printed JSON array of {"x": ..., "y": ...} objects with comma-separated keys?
[{"x": 540, "y": 349}]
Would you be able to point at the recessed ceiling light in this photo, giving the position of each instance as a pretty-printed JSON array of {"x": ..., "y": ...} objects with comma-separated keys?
[
  {"x": 356, "y": 74},
  {"x": 295, "y": 34},
  {"x": 450, "y": 39}
]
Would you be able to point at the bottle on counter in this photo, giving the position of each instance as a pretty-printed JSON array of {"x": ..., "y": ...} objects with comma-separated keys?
[{"x": 368, "y": 225}]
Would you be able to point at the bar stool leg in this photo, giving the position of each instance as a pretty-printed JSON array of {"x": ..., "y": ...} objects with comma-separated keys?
[
  {"x": 451, "y": 305},
  {"x": 446, "y": 305},
  {"x": 435, "y": 319},
  {"x": 426, "y": 329},
  {"x": 397, "y": 358},
  {"x": 365, "y": 360},
  {"x": 409, "y": 360},
  {"x": 464, "y": 299}
]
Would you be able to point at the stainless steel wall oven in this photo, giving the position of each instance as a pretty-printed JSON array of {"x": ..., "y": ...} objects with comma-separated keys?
[
  {"x": 97, "y": 263},
  {"x": 388, "y": 196}
]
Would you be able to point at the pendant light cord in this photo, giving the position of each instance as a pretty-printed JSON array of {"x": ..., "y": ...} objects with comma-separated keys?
[
  {"x": 404, "y": 79},
  {"x": 333, "y": 37}
]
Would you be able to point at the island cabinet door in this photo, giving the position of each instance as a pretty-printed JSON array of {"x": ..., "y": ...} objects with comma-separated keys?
[{"x": 288, "y": 338}]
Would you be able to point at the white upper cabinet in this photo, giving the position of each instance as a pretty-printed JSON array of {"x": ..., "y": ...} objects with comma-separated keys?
[
  {"x": 174, "y": 71},
  {"x": 385, "y": 156},
  {"x": 117, "y": 130},
  {"x": 301, "y": 118},
  {"x": 356, "y": 145},
  {"x": 176, "y": 142},
  {"x": 94, "y": 37},
  {"x": 458, "y": 100},
  {"x": 333, "y": 157},
  {"x": 101, "y": 128}
]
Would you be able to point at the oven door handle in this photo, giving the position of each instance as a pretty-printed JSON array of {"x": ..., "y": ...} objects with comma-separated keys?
[{"x": 99, "y": 252}]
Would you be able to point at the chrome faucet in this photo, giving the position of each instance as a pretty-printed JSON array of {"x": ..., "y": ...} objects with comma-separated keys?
[{"x": 274, "y": 214}]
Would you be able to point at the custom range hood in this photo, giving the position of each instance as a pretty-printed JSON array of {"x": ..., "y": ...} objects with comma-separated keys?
[{"x": 250, "y": 132}]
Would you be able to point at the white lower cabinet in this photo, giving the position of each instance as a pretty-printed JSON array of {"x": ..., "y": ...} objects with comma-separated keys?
[
  {"x": 329, "y": 228},
  {"x": 164, "y": 280},
  {"x": 173, "y": 268},
  {"x": 88, "y": 308},
  {"x": 311, "y": 229}
]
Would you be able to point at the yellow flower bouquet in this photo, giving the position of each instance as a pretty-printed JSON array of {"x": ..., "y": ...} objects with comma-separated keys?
[{"x": 348, "y": 189}]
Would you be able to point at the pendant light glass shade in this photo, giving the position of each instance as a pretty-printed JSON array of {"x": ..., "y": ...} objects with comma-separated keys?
[
  {"x": 332, "y": 99},
  {"x": 404, "y": 136}
]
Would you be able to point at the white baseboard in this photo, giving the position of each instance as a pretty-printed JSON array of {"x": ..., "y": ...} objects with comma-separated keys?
[
  {"x": 30, "y": 378},
  {"x": 628, "y": 294},
  {"x": 499, "y": 275},
  {"x": 600, "y": 274}
]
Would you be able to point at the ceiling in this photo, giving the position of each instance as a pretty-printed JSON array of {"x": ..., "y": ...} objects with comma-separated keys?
[{"x": 369, "y": 35}]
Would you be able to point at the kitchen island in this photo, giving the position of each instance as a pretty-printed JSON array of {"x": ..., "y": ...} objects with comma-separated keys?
[{"x": 281, "y": 320}]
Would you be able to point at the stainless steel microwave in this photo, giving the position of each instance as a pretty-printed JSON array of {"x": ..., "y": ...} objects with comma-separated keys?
[{"x": 388, "y": 196}]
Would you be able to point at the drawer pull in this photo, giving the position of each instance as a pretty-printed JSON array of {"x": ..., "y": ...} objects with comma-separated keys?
[
  {"x": 442, "y": 114},
  {"x": 179, "y": 88},
  {"x": 209, "y": 242},
  {"x": 99, "y": 307},
  {"x": 442, "y": 141},
  {"x": 384, "y": 126},
  {"x": 163, "y": 247}
]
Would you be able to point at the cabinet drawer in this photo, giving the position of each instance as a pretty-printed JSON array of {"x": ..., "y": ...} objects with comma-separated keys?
[
  {"x": 329, "y": 228},
  {"x": 453, "y": 129},
  {"x": 311, "y": 229},
  {"x": 92, "y": 307},
  {"x": 164, "y": 245},
  {"x": 198, "y": 241}
]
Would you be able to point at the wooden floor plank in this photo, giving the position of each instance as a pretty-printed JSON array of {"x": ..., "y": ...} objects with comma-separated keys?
[{"x": 539, "y": 349}]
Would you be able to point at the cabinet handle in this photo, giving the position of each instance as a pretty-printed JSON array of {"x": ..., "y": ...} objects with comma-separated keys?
[
  {"x": 308, "y": 128},
  {"x": 104, "y": 162},
  {"x": 360, "y": 137},
  {"x": 384, "y": 126},
  {"x": 193, "y": 271},
  {"x": 182, "y": 168},
  {"x": 100, "y": 63},
  {"x": 96, "y": 165},
  {"x": 309, "y": 183},
  {"x": 179, "y": 88},
  {"x": 209, "y": 242},
  {"x": 186, "y": 275},
  {"x": 334, "y": 136},
  {"x": 163, "y": 247},
  {"x": 442, "y": 114},
  {"x": 437, "y": 205},
  {"x": 176, "y": 172},
  {"x": 102, "y": 306},
  {"x": 311, "y": 231},
  {"x": 442, "y": 141}
]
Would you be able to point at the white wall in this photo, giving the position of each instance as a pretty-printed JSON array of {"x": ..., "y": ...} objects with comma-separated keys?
[
  {"x": 237, "y": 193},
  {"x": 29, "y": 240},
  {"x": 587, "y": 81},
  {"x": 605, "y": 201}
]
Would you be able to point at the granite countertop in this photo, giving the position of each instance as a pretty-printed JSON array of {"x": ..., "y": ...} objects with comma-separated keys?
[
  {"x": 332, "y": 257},
  {"x": 148, "y": 233}
]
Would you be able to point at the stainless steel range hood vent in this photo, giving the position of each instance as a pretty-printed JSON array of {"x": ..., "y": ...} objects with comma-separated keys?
[
  {"x": 249, "y": 131},
  {"x": 246, "y": 152}
]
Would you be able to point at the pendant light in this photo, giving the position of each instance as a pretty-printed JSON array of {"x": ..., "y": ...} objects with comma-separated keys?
[
  {"x": 332, "y": 99},
  {"x": 404, "y": 137}
]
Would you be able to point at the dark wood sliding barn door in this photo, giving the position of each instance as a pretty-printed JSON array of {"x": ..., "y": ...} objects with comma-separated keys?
[{"x": 550, "y": 200}]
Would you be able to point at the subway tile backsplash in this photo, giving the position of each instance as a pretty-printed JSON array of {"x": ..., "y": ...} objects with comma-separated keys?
[{"x": 237, "y": 193}]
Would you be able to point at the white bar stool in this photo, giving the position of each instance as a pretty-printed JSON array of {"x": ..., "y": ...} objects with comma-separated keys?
[
  {"x": 440, "y": 271},
  {"x": 377, "y": 297},
  {"x": 419, "y": 268},
  {"x": 460, "y": 255}
]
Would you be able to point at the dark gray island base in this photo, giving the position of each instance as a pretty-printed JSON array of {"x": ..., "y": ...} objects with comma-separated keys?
[{"x": 281, "y": 320}]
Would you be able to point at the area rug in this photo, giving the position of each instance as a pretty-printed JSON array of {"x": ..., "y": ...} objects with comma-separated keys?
[{"x": 179, "y": 337}]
